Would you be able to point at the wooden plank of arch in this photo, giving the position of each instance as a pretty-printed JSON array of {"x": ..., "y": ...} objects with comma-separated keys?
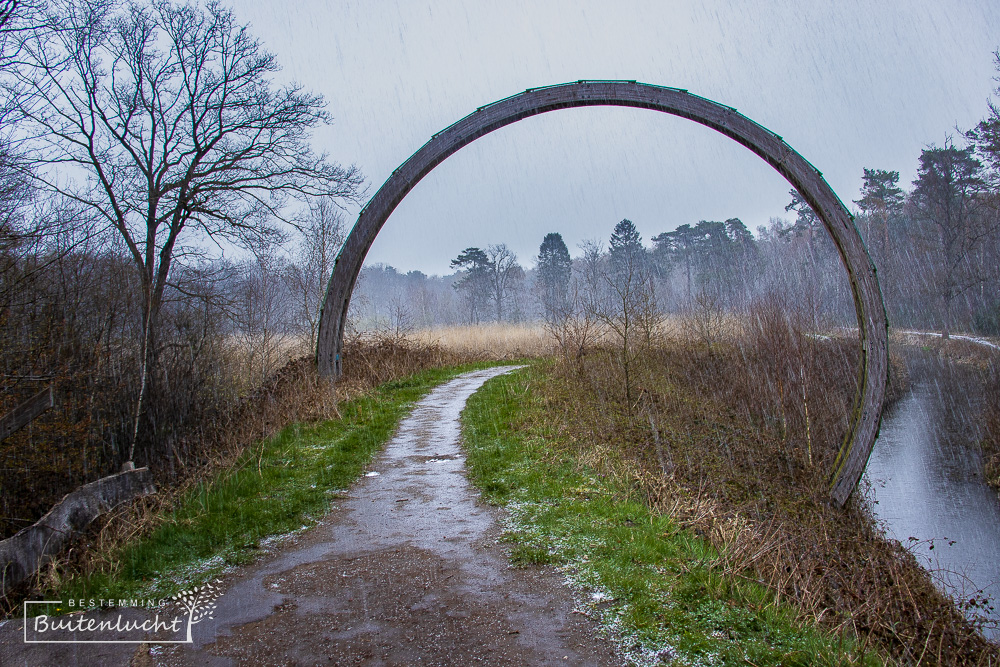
[{"x": 806, "y": 179}]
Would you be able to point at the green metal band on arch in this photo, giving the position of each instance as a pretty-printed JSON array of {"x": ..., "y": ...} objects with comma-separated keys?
[{"x": 806, "y": 179}]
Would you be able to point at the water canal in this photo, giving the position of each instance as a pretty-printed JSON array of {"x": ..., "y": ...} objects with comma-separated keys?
[{"x": 926, "y": 484}]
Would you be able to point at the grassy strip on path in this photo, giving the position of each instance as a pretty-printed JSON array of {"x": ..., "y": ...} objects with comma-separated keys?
[
  {"x": 659, "y": 589},
  {"x": 285, "y": 484}
]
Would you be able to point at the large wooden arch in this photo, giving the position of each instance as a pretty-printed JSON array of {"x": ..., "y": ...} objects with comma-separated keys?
[{"x": 806, "y": 179}]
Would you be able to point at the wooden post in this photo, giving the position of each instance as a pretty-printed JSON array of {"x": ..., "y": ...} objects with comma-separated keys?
[{"x": 24, "y": 553}]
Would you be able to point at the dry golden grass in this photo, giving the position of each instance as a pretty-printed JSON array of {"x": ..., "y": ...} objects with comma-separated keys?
[
  {"x": 515, "y": 341},
  {"x": 490, "y": 341}
]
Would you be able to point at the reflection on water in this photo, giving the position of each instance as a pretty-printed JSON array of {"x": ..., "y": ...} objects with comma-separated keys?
[{"x": 926, "y": 484}]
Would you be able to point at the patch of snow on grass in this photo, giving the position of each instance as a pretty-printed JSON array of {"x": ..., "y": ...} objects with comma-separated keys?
[{"x": 592, "y": 600}]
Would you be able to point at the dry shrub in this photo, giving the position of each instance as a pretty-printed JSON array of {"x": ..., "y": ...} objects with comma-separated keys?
[
  {"x": 736, "y": 441},
  {"x": 709, "y": 320},
  {"x": 372, "y": 359}
]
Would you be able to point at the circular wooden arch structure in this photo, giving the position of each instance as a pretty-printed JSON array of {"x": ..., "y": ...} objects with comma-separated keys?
[{"x": 806, "y": 179}]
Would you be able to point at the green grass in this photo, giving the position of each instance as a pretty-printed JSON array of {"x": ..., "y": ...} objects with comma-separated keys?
[
  {"x": 284, "y": 484},
  {"x": 655, "y": 586}
]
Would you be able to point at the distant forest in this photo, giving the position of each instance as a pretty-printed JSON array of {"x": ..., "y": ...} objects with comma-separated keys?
[{"x": 935, "y": 244}]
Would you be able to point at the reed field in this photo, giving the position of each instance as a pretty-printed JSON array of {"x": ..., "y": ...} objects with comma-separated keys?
[{"x": 493, "y": 341}]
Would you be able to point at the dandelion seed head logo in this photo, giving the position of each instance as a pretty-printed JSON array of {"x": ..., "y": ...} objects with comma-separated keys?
[
  {"x": 120, "y": 620},
  {"x": 199, "y": 603}
]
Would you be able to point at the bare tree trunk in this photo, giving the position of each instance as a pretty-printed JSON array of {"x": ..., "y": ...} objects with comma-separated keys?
[{"x": 145, "y": 350}]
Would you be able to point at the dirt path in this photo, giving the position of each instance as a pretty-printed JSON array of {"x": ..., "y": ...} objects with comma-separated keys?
[{"x": 404, "y": 571}]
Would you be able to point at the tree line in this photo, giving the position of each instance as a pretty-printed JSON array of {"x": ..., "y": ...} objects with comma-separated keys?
[{"x": 936, "y": 246}]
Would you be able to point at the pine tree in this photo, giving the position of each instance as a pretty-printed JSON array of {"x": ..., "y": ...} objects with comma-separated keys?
[
  {"x": 881, "y": 201},
  {"x": 626, "y": 252},
  {"x": 677, "y": 247},
  {"x": 475, "y": 281}
]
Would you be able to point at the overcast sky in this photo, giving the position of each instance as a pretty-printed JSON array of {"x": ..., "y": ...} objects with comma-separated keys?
[{"x": 847, "y": 84}]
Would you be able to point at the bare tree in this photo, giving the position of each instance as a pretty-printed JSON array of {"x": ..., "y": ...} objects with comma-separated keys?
[
  {"x": 592, "y": 272},
  {"x": 258, "y": 310},
  {"x": 572, "y": 324},
  {"x": 7, "y": 8},
  {"x": 169, "y": 112},
  {"x": 322, "y": 235},
  {"x": 16, "y": 17},
  {"x": 400, "y": 324},
  {"x": 505, "y": 275},
  {"x": 707, "y": 318},
  {"x": 627, "y": 308}
]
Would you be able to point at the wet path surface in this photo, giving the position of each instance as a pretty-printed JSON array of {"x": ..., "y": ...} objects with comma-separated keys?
[{"x": 404, "y": 571}]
